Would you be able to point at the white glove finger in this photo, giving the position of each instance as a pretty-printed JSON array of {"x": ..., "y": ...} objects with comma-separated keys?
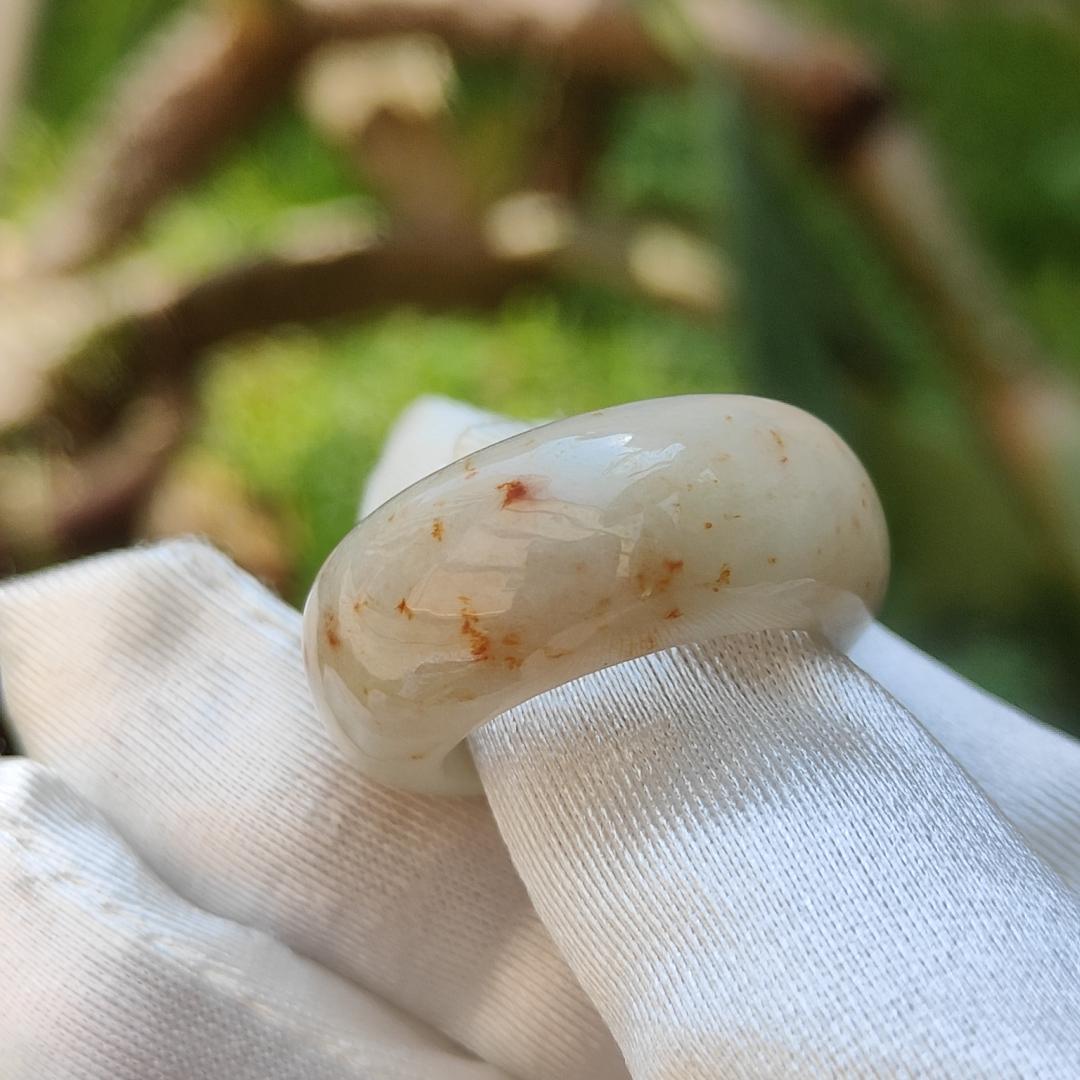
[
  {"x": 167, "y": 688},
  {"x": 759, "y": 864},
  {"x": 107, "y": 975},
  {"x": 1030, "y": 770}
]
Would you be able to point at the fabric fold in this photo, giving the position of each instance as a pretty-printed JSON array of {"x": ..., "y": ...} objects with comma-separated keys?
[
  {"x": 166, "y": 687},
  {"x": 105, "y": 973}
]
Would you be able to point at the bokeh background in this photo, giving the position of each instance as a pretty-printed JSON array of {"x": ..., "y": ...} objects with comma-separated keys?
[{"x": 237, "y": 237}]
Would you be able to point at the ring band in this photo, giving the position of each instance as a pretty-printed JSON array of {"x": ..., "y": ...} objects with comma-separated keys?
[{"x": 575, "y": 546}]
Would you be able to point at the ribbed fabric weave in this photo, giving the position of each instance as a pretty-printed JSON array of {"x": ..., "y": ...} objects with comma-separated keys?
[
  {"x": 759, "y": 864},
  {"x": 105, "y": 974}
]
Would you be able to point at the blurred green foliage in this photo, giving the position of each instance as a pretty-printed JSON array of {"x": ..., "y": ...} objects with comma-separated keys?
[
  {"x": 303, "y": 414},
  {"x": 820, "y": 318}
]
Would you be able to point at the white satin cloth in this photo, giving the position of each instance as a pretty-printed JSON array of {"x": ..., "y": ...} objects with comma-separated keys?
[{"x": 752, "y": 858}]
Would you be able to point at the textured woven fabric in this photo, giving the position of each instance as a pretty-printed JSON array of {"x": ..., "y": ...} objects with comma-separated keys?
[
  {"x": 106, "y": 973},
  {"x": 759, "y": 864},
  {"x": 166, "y": 687},
  {"x": 750, "y": 858},
  {"x": 1029, "y": 770}
]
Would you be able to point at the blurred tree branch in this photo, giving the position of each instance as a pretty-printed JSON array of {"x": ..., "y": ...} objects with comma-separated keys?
[
  {"x": 76, "y": 345},
  {"x": 386, "y": 103},
  {"x": 572, "y": 131},
  {"x": 211, "y": 72},
  {"x": 1027, "y": 410},
  {"x": 141, "y": 349},
  {"x": 201, "y": 79},
  {"x": 19, "y": 18},
  {"x": 53, "y": 505}
]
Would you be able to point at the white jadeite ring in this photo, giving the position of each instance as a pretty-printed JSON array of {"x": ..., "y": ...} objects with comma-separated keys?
[{"x": 572, "y": 547}]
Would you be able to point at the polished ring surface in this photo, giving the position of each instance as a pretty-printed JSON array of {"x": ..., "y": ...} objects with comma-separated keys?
[{"x": 575, "y": 546}]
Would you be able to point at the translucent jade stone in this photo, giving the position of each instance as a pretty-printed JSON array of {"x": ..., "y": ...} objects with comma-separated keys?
[{"x": 575, "y": 546}]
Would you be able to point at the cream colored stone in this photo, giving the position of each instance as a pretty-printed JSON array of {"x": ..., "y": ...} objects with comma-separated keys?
[{"x": 575, "y": 546}]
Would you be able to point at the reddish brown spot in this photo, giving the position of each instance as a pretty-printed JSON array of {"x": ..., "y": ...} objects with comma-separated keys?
[
  {"x": 556, "y": 654},
  {"x": 771, "y": 560},
  {"x": 728, "y": 418},
  {"x": 784, "y": 460},
  {"x": 777, "y": 438},
  {"x": 512, "y": 640},
  {"x": 358, "y": 605},
  {"x": 479, "y": 642},
  {"x": 708, "y": 524},
  {"x": 723, "y": 579},
  {"x": 403, "y": 608},
  {"x": 671, "y": 568},
  {"x": 668, "y": 569},
  {"x": 437, "y": 529},
  {"x": 514, "y": 491},
  {"x": 513, "y": 662},
  {"x": 480, "y": 646},
  {"x": 418, "y": 756},
  {"x": 580, "y": 567},
  {"x": 333, "y": 637},
  {"x": 674, "y": 613}
]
